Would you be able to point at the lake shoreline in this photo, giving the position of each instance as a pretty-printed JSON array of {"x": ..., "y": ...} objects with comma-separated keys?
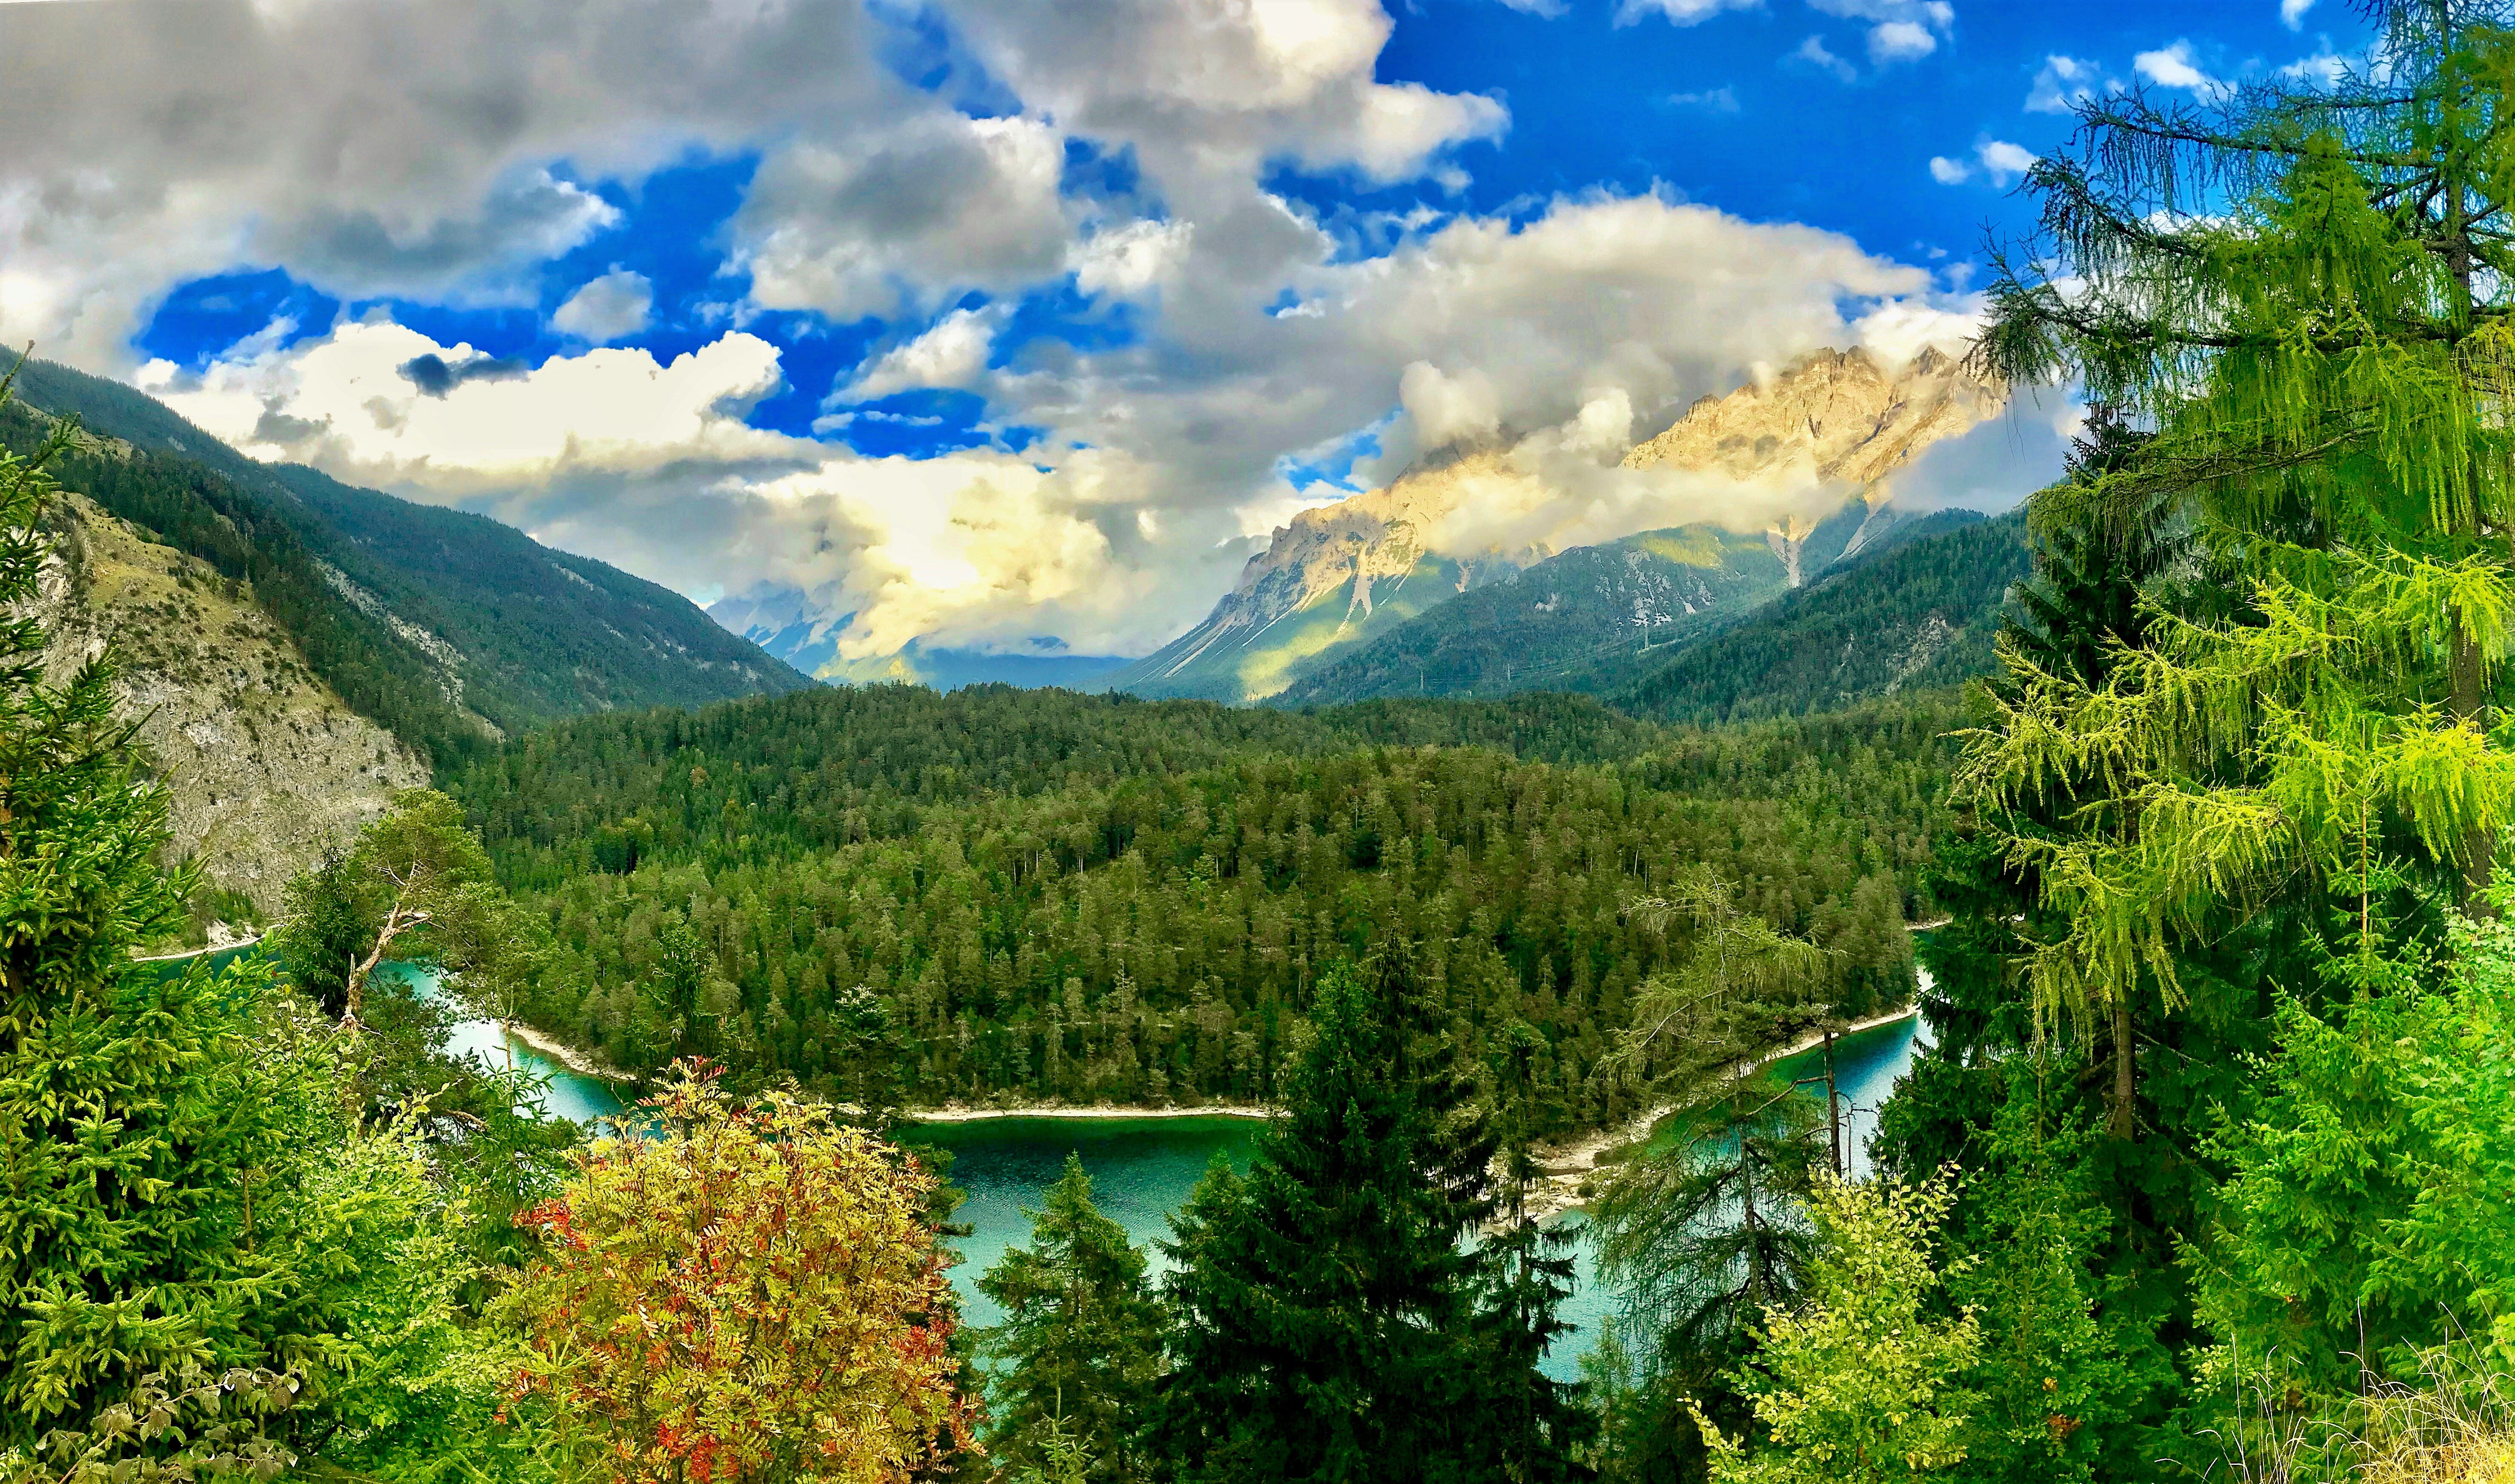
[
  {"x": 1563, "y": 1167},
  {"x": 962, "y": 1113}
]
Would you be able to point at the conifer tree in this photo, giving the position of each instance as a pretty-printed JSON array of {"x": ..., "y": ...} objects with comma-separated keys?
[
  {"x": 123, "y": 1123},
  {"x": 1328, "y": 1305},
  {"x": 2305, "y": 294},
  {"x": 1081, "y": 1343}
]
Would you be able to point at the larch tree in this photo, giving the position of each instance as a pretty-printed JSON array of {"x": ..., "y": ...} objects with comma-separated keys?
[{"x": 2304, "y": 294}]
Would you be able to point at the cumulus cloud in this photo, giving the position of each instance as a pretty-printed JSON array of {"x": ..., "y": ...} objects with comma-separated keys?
[
  {"x": 454, "y": 148},
  {"x": 1596, "y": 321},
  {"x": 1813, "y": 52},
  {"x": 887, "y": 223},
  {"x": 1713, "y": 100},
  {"x": 2324, "y": 68},
  {"x": 2292, "y": 13},
  {"x": 1904, "y": 30},
  {"x": 952, "y": 353},
  {"x": 2062, "y": 83},
  {"x": 1996, "y": 160},
  {"x": 613, "y": 307},
  {"x": 1677, "y": 12},
  {"x": 2177, "y": 66}
]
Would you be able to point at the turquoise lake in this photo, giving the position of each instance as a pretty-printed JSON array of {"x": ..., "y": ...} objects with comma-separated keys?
[{"x": 1143, "y": 1168}]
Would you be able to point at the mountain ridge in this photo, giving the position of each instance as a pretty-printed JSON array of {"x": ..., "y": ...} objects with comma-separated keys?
[{"x": 1354, "y": 598}]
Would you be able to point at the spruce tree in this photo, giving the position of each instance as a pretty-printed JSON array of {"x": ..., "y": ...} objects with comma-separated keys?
[
  {"x": 1332, "y": 1308},
  {"x": 1080, "y": 1350},
  {"x": 126, "y": 1124}
]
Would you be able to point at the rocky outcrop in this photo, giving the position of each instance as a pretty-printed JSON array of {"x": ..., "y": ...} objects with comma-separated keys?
[
  {"x": 1844, "y": 414},
  {"x": 267, "y": 766}
]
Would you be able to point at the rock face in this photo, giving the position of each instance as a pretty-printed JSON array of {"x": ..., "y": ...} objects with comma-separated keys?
[
  {"x": 267, "y": 766},
  {"x": 1341, "y": 576},
  {"x": 1852, "y": 420},
  {"x": 1338, "y": 574}
]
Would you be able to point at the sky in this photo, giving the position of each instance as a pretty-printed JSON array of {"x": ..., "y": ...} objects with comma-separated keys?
[{"x": 1014, "y": 324}]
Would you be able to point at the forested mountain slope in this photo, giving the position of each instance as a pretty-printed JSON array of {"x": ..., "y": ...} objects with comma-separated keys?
[
  {"x": 430, "y": 621},
  {"x": 1917, "y": 616},
  {"x": 1587, "y": 620}
]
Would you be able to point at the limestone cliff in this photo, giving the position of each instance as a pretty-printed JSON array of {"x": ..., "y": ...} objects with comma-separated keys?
[{"x": 265, "y": 764}]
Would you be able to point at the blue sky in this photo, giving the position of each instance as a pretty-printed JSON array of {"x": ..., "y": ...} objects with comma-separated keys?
[{"x": 1006, "y": 317}]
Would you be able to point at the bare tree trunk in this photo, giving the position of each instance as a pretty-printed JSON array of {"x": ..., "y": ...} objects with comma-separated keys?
[
  {"x": 2125, "y": 1122},
  {"x": 2469, "y": 702},
  {"x": 1833, "y": 1110}
]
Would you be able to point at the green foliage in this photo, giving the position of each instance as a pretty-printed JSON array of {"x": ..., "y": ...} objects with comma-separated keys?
[
  {"x": 120, "y": 1107},
  {"x": 1910, "y": 617},
  {"x": 763, "y": 780},
  {"x": 2053, "y": 1383},
  {"x": 1327, "y": 1306},
  {"x": 1860, "y": 1384},
  {"x": 1080, "y": 1350},
  {"x": 2303, "y": 297},
  {"x": 197, "y": 1427},
  {"x": 2364, "y": 1221}
]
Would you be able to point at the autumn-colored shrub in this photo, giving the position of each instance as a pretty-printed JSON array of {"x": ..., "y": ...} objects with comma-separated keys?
[{"x": 745, "y": 1294}]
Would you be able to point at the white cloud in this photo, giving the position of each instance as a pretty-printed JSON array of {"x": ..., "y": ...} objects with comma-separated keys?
[
  {"x": 2324, "y": 68},
  {"x": 1999, "y": 161},
  {"x": 1713, "y": 101},
  {"x": 1130, "y": 259},
  {"x": 453, "y": 148},
  {"x": 2292, "y": 13},
  {"x": 1601, "y": 317},
  {"x": 1903, "y": 30},
  {"x": 892, "y": 221},
  {"x": 613, "y": 307},
  {"x": 2003, "y": 161},
  {"x": 2175, "y": 66},
  {"x": 1900, "y": 41},
  {"x": 2063, "y": 82},
  {"x": 952, "y": 353},
  {"x": 1813, "y": 52},
  {"x": 1679, "y": 12}
]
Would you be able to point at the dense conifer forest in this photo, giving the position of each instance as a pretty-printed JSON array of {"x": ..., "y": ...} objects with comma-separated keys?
[{"x": 1045, "y": 895}]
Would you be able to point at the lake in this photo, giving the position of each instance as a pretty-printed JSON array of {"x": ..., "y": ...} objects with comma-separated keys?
[{"x": 1143, "y": 1168}]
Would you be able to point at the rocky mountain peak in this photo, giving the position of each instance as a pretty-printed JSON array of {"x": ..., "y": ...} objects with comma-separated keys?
[{"x": 1850, "y": 418}]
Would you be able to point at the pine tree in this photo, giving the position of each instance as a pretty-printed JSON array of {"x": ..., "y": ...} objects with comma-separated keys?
[
  {"x": 1080, "y": 1350},
  {"x": 1328, "y": 1306}
]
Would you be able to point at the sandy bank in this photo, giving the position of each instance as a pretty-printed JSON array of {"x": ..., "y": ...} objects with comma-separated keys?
[
  {"x": 962, "y": 1113},
  {"x": 1565, "y": 1166}
]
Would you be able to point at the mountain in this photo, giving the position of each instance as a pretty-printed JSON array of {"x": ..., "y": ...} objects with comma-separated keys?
[
  {"x": 1353, "y": 599},
  {"x": 1906, "y": 616},
  {"x": 265, "y": 764},
  {"x": 787, "y": 625},
  {"x": 445, "y": 627},
  {"x": 1336, "y": 576}
]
